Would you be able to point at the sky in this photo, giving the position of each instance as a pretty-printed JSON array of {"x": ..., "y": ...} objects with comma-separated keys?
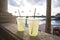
[{"x": 27, "y": 7}]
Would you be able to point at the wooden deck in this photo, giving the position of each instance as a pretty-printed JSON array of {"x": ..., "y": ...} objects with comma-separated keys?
[{"x": 12, "y": 29}]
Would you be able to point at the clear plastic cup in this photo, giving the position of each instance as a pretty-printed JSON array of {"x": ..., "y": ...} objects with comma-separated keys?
[
  {"x": 20, "y": 23},
  {"x": 33, "y": 25}
]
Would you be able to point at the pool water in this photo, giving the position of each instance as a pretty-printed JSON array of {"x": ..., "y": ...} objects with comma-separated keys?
[
  {"x": 53, "y": 22},
  {"x": 43, "y": 21}
]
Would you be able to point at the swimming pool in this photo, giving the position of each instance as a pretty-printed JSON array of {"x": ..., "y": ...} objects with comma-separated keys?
[{"x": 53, "y": 22}]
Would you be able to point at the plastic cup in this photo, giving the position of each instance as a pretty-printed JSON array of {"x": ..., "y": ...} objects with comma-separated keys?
[
  {"x": 33, "y": 27},
  {"x": 20, "y": 24}
]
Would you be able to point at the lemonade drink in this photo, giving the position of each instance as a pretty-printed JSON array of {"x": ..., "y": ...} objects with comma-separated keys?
[
  {"x": 20, "y": 24},
  {"x": 33, "y": 27}
]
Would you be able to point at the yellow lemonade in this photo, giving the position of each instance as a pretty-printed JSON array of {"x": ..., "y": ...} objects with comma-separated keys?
[
  {"x": 33, "y": 27},
  {"x": 20, "y": 24}
]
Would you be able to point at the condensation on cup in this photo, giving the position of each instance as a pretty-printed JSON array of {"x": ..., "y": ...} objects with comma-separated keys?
[
  {"x": 33, "y": 25},
  {"x": 20, "y": 23}
]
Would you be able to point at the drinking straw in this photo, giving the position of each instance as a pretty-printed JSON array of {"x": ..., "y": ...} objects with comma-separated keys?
[
  {"x": 34, "y": 18},
  {"x": 19, "y": 13},
  {"x": 34, "y": 13}
]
